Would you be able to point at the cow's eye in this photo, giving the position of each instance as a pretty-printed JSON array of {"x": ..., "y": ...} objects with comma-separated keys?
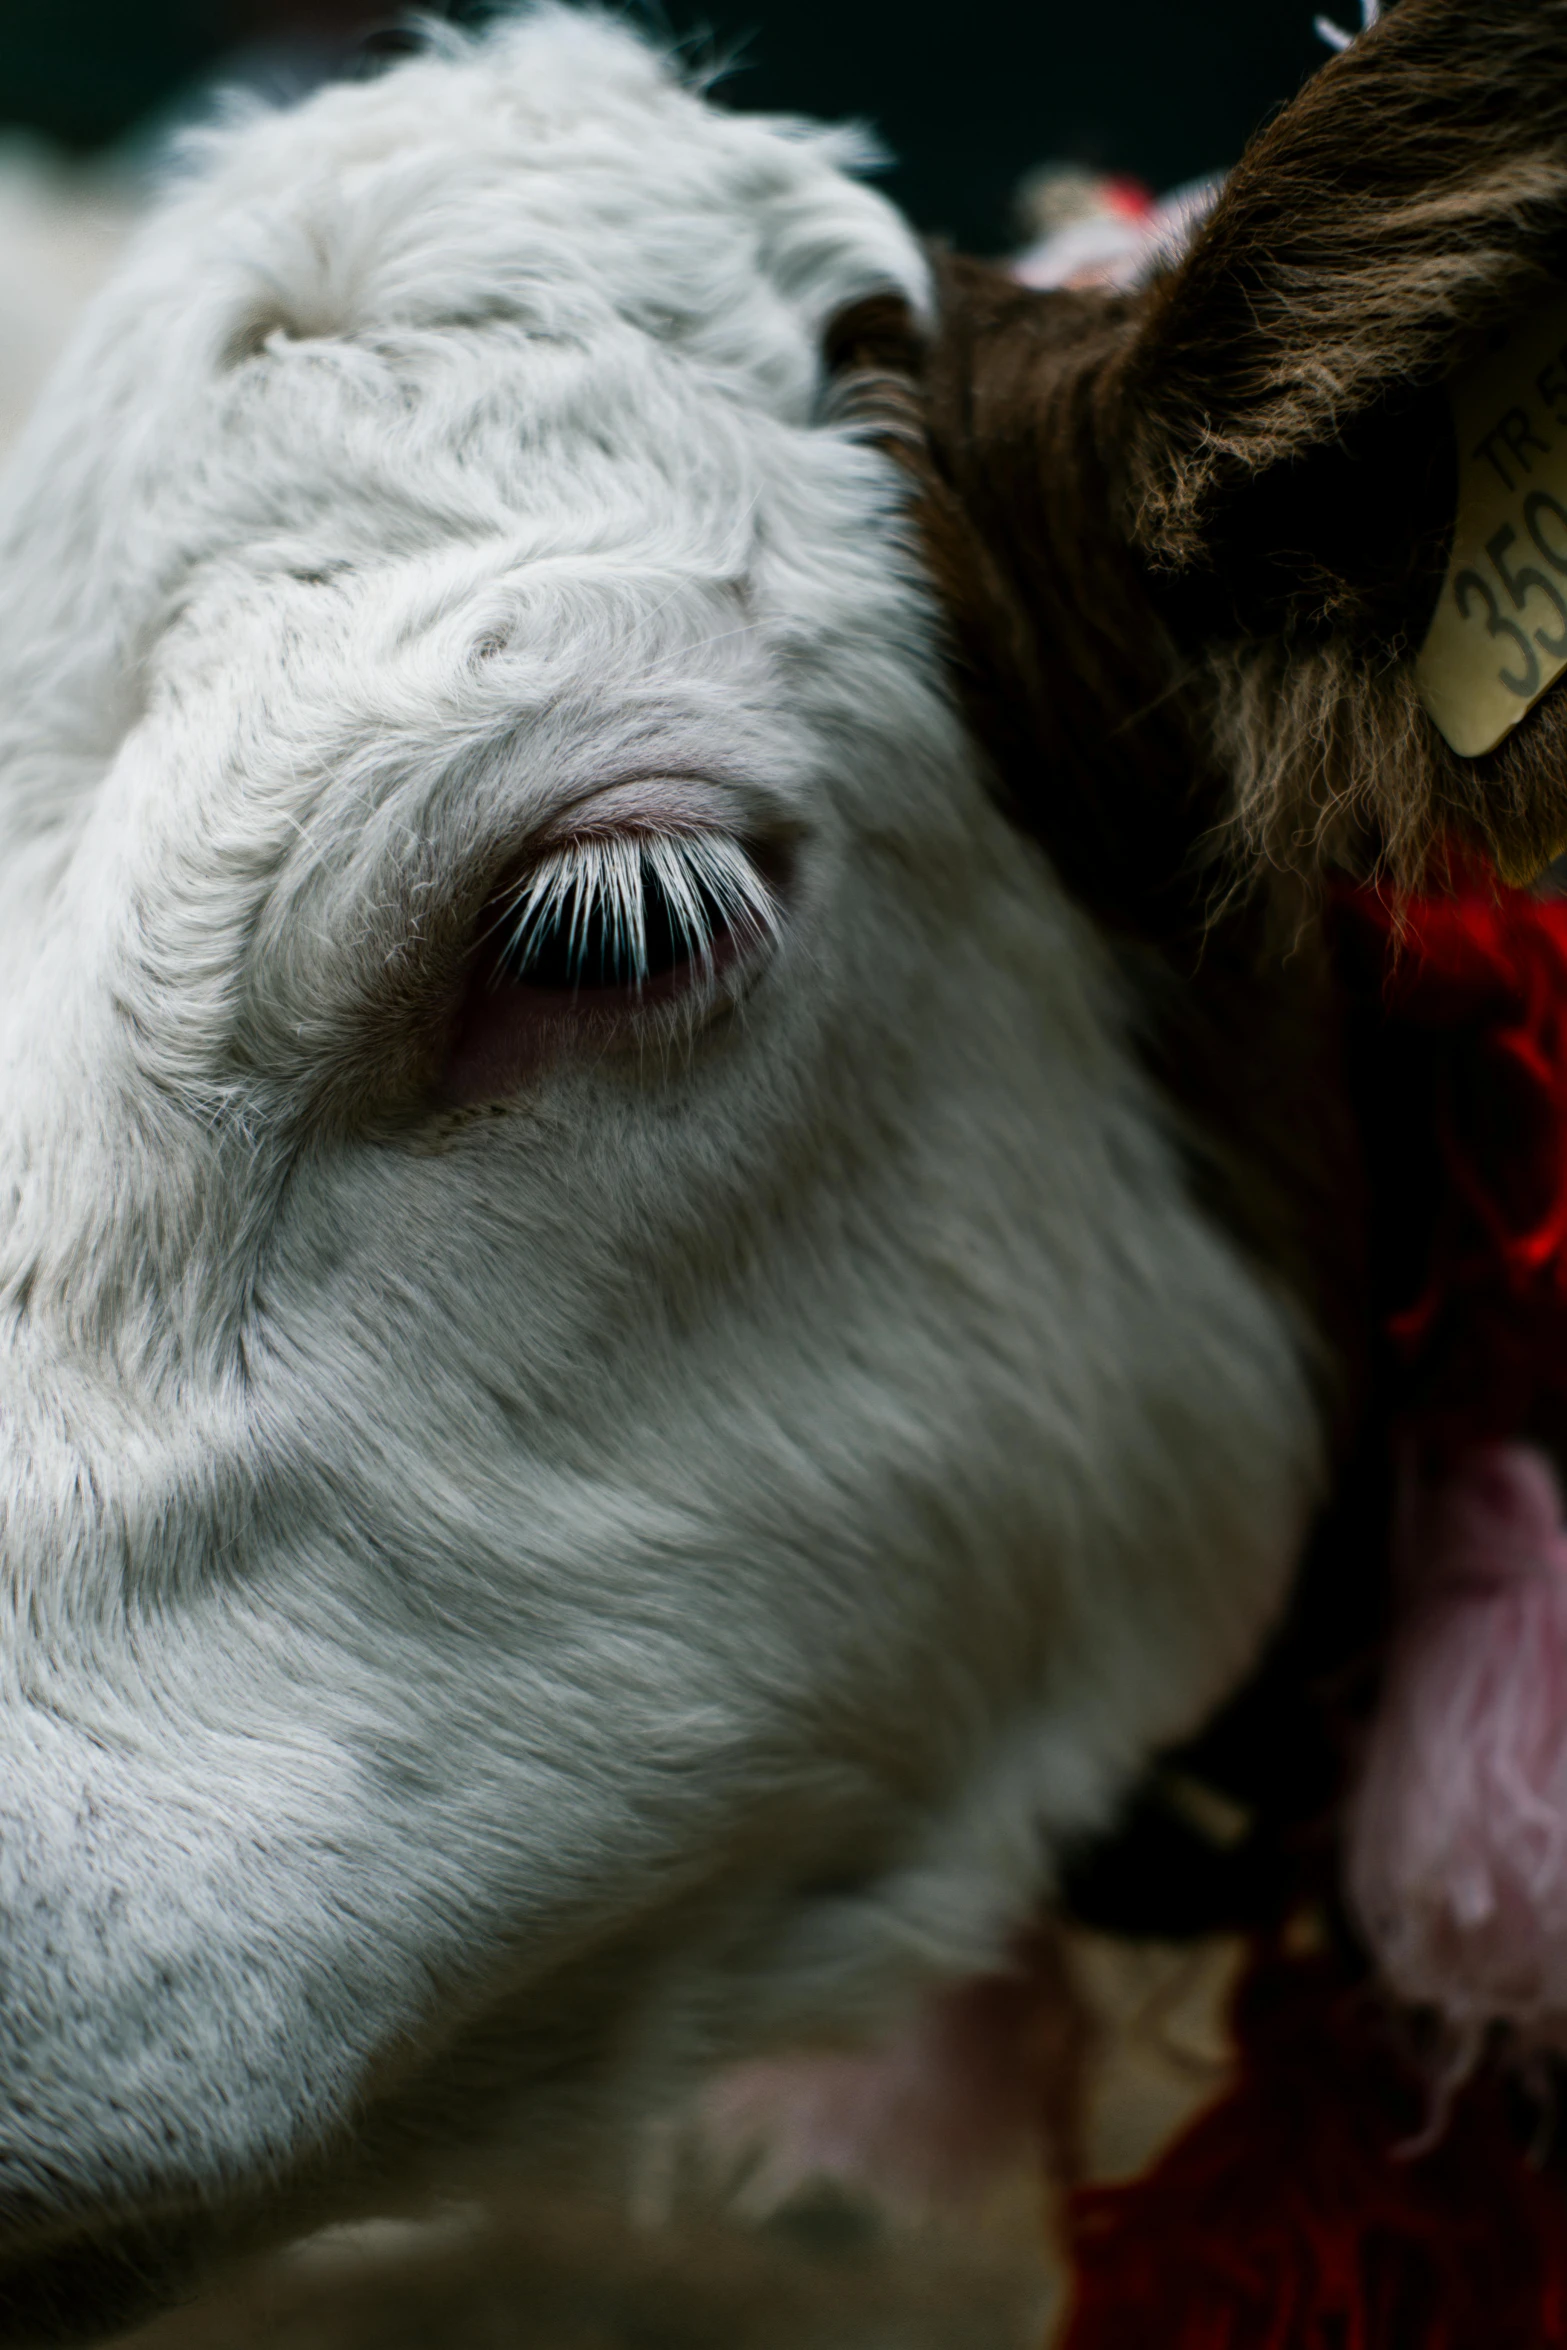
[
  {"x": 631, "y": 913},
  {"x": 600, "y": 936}
]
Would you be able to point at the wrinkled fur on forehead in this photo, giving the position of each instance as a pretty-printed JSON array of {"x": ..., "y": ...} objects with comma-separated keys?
[
  {"x": 1191, "y": 539},
  {"x": 425, "y": 306}
]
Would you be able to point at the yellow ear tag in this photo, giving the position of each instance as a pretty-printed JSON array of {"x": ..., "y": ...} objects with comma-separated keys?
[{"x": 1499, "y": 636}]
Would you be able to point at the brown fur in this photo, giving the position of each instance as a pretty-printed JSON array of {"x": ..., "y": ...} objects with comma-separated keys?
[
  {"x": 1278, "y": 435},
  {"x": 1188, "y": 542},
  {"x": 1090, "y": 717}
]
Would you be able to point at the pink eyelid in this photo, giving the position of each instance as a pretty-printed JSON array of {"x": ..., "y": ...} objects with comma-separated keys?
[
  {"x": 499, "y": 1036},
  {"x": 645, "y": 803}
]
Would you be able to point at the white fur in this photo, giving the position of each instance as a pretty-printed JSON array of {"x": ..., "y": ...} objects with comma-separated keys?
[{"x": 657, "y": 1571}]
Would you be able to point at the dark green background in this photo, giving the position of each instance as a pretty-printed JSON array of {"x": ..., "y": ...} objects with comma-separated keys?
[{"x": 968, "y": 98}]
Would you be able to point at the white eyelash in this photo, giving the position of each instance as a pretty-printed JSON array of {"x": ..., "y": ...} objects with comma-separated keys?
[{"x": 702, "y": 875}]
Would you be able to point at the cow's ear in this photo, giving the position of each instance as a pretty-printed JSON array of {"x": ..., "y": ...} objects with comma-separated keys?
[{"x": 1281, "y": 428}]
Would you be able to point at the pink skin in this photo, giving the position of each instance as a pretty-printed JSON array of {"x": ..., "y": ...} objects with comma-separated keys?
[
  {"x": 981, "y": 2079},
  {"x": 504, "y": 1033}
]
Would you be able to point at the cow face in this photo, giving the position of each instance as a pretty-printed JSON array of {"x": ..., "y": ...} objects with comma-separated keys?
[{"x": 656, "y": 1322}]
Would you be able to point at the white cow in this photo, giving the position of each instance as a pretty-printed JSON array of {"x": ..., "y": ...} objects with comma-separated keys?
[{"x": 619, "y": 1410}]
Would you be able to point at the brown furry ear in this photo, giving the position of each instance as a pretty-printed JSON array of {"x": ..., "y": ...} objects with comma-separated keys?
[
  {"x": 1279, "y": 434},
  {"x": 1412, "y": 197}
]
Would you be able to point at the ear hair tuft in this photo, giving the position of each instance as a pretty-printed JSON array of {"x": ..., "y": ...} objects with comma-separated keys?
[{"x": 1411, "y": 200}]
